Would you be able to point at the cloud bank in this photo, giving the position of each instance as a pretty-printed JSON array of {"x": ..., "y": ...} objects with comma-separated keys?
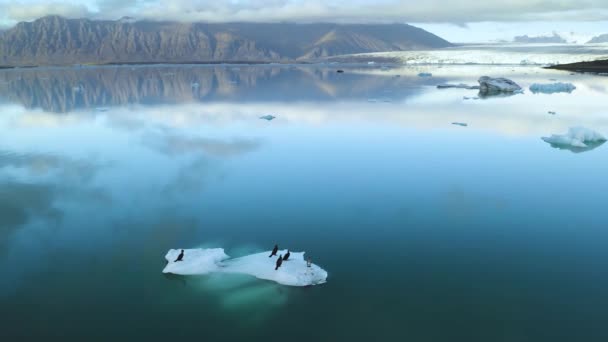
[{"x": 440, "y": 11}]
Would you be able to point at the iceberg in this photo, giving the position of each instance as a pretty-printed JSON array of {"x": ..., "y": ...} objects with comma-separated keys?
[
  {"x": 551, "y": 88},
  {"x": 425, "y": 74},
  {"x": 489, "y": 85},
  {"x": 268, "y": 117},
  {"x": 293, "y": 272},
  {"x": 578, "y": 139},
  {"x": 460, "y": 85}
]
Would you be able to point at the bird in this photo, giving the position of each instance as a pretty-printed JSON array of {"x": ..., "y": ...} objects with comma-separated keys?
[
  {"x": 286, "y": 255},
  {"x": 279, "y": 262},
  {"x": 180, "y": 257},
  {"x": 274, "y": 251}
]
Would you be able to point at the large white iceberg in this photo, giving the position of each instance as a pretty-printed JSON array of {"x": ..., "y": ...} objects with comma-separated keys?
[
  {"x": 551, "y": 88},
  {"x": 577, "y": 137},
  {"x": 489, "y": 85},
  {"x": 293, "y": 272}
]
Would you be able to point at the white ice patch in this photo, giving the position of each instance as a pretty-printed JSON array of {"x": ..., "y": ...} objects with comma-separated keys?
[
  {"x": 195, "y": 261},
  {"x": 576, "y": 137},
  {"x": 551, "y": 88},
  {"x": 293, "y": 272}
]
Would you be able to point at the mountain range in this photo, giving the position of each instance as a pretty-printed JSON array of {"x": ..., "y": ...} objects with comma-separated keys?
[{"x": 55, "y": 40}]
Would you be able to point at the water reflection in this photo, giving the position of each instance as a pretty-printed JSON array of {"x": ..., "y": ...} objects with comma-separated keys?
[
  {"x": 97, "y": 185},
  {"x": 68, "y": 89}
]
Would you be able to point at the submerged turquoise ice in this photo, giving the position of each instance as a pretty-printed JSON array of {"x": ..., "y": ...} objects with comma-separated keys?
[{"x": 429, "y": 231}]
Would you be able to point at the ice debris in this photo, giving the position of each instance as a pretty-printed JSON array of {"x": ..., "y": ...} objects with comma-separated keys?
[
  {"x": 460, "y": 85},
  {"x": 268, "y": 117}
]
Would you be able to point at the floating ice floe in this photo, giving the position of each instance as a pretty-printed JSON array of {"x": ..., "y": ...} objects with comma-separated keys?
[
  {"x": 490, "y": 85},
  {"x": 460, "y": 124},
  {"x": 268, "y": 117},
  {"x": 578, "y": 139},
  {"x": 551, "y": 88},
  {"x": 293, "y": 272},
  {"x": 425, "y": 74},
  {"x": 460, "y": 85}
]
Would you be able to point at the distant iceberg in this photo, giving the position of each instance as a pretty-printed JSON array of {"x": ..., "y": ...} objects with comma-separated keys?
[
  {"x": 293, "y": 272},
  {"x": 550, "y": 88},
  {"x": 578, "y": 139},
  {"x": 268, "y": 117},
  {"x": 489, "y": 85},
  {"x": 460, "y": 85},
  {"x": 425, "y": 74}
]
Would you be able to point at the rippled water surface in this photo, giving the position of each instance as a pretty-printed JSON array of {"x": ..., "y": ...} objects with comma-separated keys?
[{"x": 429, "y": 231}]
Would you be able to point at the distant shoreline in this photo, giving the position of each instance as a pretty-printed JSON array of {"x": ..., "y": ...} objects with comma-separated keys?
[
  {"x": 150, "y": 63},
  {"x": 600, "y": 66}
]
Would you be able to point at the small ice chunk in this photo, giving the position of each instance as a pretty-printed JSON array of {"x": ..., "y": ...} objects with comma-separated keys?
[
  {"x": 579, "y": 137},
  {"x": 460, "y": 124},
  {"x": 371, "y": 63},
  {"x": 425, "y": 74},
  {"x": 489, "y": 85},
  {"x": 551, "y": 88},
  {"x": 268, "y": 117},
  {"x": 293, "y": 272},
  {"x": 460, "y": 85},
  {"x": 195, "y": 85}
]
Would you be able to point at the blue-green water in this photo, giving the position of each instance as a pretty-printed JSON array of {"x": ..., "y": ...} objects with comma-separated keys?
[{"x": 429, "y": 231}]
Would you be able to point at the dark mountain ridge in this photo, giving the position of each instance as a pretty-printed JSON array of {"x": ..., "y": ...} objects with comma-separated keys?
[{"x": 54, "y": 40}]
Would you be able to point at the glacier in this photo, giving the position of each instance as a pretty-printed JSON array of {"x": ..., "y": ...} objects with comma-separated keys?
[
  {"x": 577, "y": 139},
  {"x": 496, "y": 54},
  {"x": 293, "y": 272},
  {"x": 551, "y": 88}
]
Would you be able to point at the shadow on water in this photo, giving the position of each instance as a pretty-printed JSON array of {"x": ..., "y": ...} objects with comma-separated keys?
[{"x": 575, "y": 149}]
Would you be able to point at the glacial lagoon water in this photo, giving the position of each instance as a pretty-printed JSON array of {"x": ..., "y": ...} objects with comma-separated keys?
[{"x": 429, "y": 231}]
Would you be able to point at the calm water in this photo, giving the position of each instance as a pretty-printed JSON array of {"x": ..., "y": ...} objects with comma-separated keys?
[{"x": 429, "y": 231}]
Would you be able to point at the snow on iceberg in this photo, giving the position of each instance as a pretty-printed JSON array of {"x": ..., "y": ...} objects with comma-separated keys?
[
  {"x": 551, "y": 88},
  {"x": 489, "y": 85},
  {"x": 578, "y": 139},
  {"x": 293, "y": 272}
]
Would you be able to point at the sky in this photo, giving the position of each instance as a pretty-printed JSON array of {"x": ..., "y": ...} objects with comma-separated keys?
[{"x": 455, "y": 20}]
